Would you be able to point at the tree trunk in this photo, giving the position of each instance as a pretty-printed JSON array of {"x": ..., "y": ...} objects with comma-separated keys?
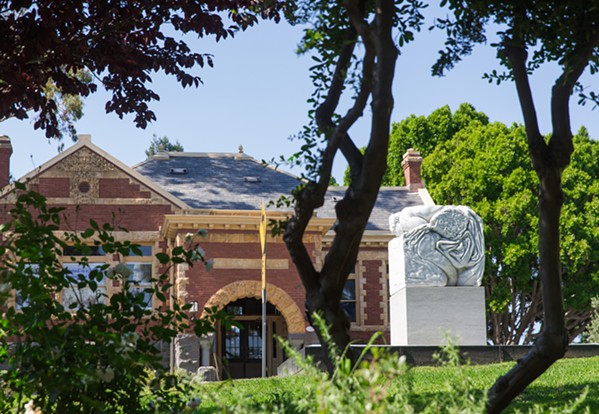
[
  {"x": 553, "y": 341},
  {"x": 549, "y": 160},
  {"x": 324, "y": 286},
  {"x": 338, "y": 327}
]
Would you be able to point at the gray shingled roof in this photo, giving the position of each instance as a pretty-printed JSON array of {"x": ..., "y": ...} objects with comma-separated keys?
[
  {"x": 390, "y": 200},
  {"x": 228, "y": 181},
  {"x": 218, "y": 181}
]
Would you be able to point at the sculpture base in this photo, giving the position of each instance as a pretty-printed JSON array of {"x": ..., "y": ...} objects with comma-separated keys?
[{"x": 427, "y": 315}]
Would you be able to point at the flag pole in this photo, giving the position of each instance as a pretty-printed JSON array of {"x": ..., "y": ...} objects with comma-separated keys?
[{"x": 263, "y": 249}]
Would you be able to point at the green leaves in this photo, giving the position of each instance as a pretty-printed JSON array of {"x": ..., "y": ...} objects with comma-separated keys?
[
  {"x": 163, "y": 144},
  {"x": 163, "y": 258},
  {"x": 61, "y": 51},
  {"x": 58, "y": 322},
  {"x": 425, "y": 134},
  {"x": 487, "y": 167}
]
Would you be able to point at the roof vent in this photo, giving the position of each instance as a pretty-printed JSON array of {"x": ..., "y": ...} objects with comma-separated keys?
[
  {"x": 178, "y": 170},
  {"x": 252, "y": 179},
  {"x": 336, "y": 198}
]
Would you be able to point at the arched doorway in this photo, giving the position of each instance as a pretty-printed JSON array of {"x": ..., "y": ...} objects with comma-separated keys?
[
  {"x": 281, "y": 304},
  {"x": 239, "y": 347}
]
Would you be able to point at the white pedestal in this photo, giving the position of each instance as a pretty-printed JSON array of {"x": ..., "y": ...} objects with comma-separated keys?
[{"x": 426, "y": 315}]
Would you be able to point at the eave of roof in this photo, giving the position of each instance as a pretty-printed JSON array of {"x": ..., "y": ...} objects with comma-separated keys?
[{"x": 230, "y": 220}]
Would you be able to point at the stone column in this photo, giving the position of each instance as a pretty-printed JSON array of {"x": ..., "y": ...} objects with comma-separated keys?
[
  {"x": 206, "y": 348},
  {"x": 187, "y": 352}
]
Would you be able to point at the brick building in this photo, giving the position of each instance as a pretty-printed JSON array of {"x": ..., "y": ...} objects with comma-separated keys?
[{"x": 162, "y": 199}]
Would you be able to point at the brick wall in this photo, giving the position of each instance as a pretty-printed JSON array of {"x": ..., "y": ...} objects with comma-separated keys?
[
  {"x": 120, "y": 188},
  {"x": 372, "y": 287},
  {"x": 131, "y": 217},
  {"x": 52, "y": 187},
  {"x": 203, "y": 285}
]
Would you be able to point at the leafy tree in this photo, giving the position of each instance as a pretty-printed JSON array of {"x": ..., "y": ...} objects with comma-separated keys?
[
  {"x": 487, "y": 167},
  {"x": 334, "y": 32},
  {"x": 423, "y": 134},
  {"x": 163, "y": 143},
  {"x": 96, "y": 354},
  {"x": 69, "y": 108},
  {"x": 530, "y": 34},
  {"x": 119, "y": 44},
  {"x": 593, "y": 330}
]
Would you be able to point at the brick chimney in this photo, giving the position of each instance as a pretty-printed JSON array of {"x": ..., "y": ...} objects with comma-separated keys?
[
  {"x": 5, "y": 153},
  {"x": 411, "y": 169}
]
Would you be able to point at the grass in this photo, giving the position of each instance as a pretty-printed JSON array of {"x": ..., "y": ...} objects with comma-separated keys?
[{"x": 563, "y": 382}]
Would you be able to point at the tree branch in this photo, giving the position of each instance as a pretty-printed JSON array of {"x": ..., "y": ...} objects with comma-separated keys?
[
  {"x": 517, "y": 56},
  {"x": 560, "y": 144},
  {"x": 312, "y": 195}
]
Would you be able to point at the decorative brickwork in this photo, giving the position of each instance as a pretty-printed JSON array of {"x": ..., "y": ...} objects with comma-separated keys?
[
  {"x": 84, "y": 167},
  {"x": 275, "y": 295}
]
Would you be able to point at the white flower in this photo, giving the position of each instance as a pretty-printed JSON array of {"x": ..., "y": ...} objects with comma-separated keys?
[
  {"x": 402, "y": 360},
  {"x": 5, "y": 288},
  {"x": 106, "y": 375},
  {"x": 30, "y": 408},
  {"x": 120, "y": 270},
  {"x": 129, "y": 339},
  {"x": 194, "y": 402}
]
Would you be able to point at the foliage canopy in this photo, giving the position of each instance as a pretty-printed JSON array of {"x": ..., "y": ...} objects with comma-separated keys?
[
  {"x": 120, "y": 44},
  {"x": 487, "y": 167},
  {"x": 162, "y": 143}
]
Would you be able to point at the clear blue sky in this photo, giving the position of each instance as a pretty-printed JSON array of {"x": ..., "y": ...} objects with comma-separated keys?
[{"x": 256, "y": 95}]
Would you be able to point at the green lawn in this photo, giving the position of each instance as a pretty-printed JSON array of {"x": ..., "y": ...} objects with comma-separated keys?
[{"x": 564, "y": 381}]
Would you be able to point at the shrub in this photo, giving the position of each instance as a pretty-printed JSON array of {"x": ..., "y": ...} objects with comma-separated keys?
[
  {"x": 592, "y": 334},
  {"x": 93, "y": 353},
  {"x": 380, "y": 382}
]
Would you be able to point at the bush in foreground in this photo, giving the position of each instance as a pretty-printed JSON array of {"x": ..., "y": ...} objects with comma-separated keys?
[
  {"x": 69, "y": 347},
  {"x": 381, "y": 382}
]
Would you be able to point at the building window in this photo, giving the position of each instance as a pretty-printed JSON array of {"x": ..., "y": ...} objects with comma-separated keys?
[
  {"x": 140, "y": 280},
  {"x": 140, "y": 276},
  {"x": 84, "y": 265},
  {"x": 254, "y": 341},
  {"x": 348, "y": 299},
  {"x": 233, "y": 343},
  {"x": 29, "y": 270},
  {"x": 142, "y": 271},
  {"x": 89, "y": 264},
  {"x": 84, "y": 187},
  {"x": 77, "y": 272},
  {"x": 88, "y": 251}
]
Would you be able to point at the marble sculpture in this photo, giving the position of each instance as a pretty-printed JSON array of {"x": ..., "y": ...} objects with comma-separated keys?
[{"x": 438, "y": 245}]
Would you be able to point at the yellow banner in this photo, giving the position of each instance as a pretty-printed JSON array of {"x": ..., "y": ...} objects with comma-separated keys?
[
  {"x": 263, "y": 244},
  {"x": 263, "y": 229}
]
